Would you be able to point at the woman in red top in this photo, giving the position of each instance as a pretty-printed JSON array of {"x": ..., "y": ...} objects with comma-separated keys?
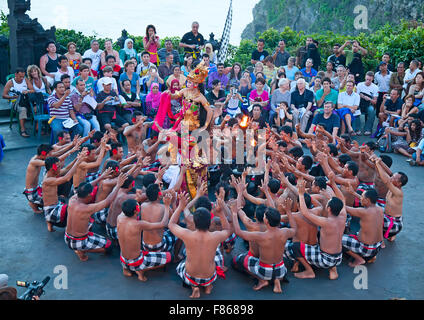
[{"x": 151, "y": 44}]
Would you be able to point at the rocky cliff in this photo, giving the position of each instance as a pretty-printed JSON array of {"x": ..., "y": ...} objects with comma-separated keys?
[{"x": 341, "y": 16}]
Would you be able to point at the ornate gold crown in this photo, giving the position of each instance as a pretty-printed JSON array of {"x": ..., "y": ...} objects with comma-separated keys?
[{"x": 199, "y": 74}]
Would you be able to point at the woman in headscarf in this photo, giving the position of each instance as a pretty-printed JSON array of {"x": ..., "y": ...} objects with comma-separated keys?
[
  {"x": 128, "y": 52},
  {"x": 153, "y": 101}
]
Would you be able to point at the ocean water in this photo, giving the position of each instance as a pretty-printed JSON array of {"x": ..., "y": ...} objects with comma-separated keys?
[{"x": 171, "y": 18}]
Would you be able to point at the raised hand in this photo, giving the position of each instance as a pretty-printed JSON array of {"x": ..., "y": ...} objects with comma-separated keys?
[
  {"x": 106, "y": 173},
  {"x": 301, "y": 186},
  {"x": 121, "y": 179},
  {"x": 167, "y": 199},
  {"x": 183, "y": 199}
]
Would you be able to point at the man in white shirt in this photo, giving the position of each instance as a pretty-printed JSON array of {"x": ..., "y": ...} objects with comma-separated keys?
[
  {"x": 382, "y": 80},
  {"x": 348, "y": 107},
  {"x": 94, "y": 54},
  {"x": 64, "y": 69},
  {"x": 411, "y": 73},
  {"x": 368, "y": 92}
]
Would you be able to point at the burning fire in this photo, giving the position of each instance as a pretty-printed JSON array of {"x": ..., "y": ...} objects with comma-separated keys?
[{"x": 243, "y": 123}]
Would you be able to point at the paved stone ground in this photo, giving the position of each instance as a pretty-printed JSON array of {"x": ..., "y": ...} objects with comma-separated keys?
[{"x": 29, "y": 252}]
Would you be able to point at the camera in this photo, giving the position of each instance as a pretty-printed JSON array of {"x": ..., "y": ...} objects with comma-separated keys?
[{"x": 35, "y": 288}]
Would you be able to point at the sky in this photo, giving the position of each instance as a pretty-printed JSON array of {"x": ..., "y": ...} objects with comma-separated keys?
[{"x": 171, "y": 18}]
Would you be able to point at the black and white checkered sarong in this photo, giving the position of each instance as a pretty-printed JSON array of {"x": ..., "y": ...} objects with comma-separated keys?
[
  {"x": 88, "y": 242},
  {"x": 100, "y": 216},
  {"x": 192, "y": 281},
  {"x": 112, "y": 232},
  {"x": 91, "y": 176},
  {"x": 167, "y": 243},
  {"x": 314, "y": 255},
  {"x": 350, "y": 242},
  {"x": 392, "y": 226},
  {"x": 56, "y": 214},
  {"x": 146, "y": 260},
  {"x": 262, "y": 270},
  {"x": 34, "y": 195}
]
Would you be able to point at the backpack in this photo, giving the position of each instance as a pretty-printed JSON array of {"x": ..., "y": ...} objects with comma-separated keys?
[{"x": 385, "y": 144}]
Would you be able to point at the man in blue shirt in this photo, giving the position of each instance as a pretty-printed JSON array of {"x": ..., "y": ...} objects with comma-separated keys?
[
  {"x": 218, "y": 75},
  {"x": 308, "y": 72}
]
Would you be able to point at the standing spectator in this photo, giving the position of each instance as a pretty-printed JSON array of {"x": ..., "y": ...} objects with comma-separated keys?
[
  {"x": 127, "y": 52},
  {"x": 260, "y": 96},
  {"x": 281, "y": 56},
  {"x": 165, "y": 68},
  {"x": 109, "y": 51},
  {"x": 212, "y": 56},
  {"x": 84, "y": 74},
  {"x": 169, "y": 48},
  {"x": 291, "y": 69},
  {"x": 338, "y": 57},
  {"x": 301, "y": 52},
  {"x": 74, "y": 57},
  {"x": 64, "y": 68},
  {"x": 417, "y": 88},
  {"x": 348, "y": 108},
  {"x": 280, "y": 95},
  {"x": 382, "y": 80},
  {"x": 188, "y": 64},
  {"x": 368, "y": 92},
  {"x": 49, "y": 62},
  {"x": 94, "y": 54},
  {"x": 386, "y": 58},
  {"x": 326, "y": 94},
  {"x": 301, "y": 104},
  {"x": 356, "y": 66},
  {"x": 84, "y": 112},
  {"x": 259, "y": 54},
  {"x": 193, "y": 41},
  {"x": 313, "y": 53},
  {"x": 129, "y": 74},
  {"x": 409, "y": 74},
  {"x": 61, "y": 108},
  {"x": 176, "y": 74},
  {"x": 234, "y": 75},
  {"x": 309, "y": 73},
  {"x": 396, "y": 79},
  {"x": 151, "y": 44},
  {"x": 219, "y": 75}
]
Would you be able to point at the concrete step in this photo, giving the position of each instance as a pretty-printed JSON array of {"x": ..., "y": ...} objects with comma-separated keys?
[
  {"x": 6, "y": 119},
  {"x": 14, "y": 141}
]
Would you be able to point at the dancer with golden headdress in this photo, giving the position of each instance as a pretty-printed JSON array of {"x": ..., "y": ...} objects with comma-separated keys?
[{"x": 196, "y": 115}]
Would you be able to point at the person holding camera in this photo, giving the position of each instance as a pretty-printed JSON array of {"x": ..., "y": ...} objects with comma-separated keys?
[
  {"x": 151, "y": 44},
  {"x": 232, "y": 101},
  {"x": 193, "y": 41}
]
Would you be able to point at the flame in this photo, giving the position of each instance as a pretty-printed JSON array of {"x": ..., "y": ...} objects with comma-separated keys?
[
  {"x": 243, "y": 122},
  {"x": 253, "y": 143}
]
